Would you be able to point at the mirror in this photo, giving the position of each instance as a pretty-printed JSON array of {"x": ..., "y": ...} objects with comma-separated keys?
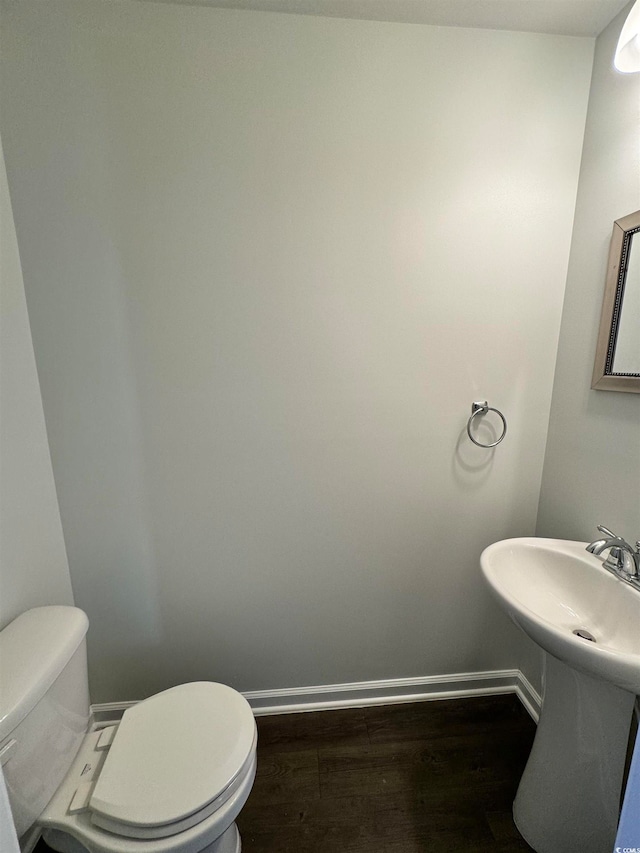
[{"x": 617, "y": 364}]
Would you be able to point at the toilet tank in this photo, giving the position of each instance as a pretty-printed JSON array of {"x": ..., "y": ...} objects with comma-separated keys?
[{"x": 44, "y": 705}]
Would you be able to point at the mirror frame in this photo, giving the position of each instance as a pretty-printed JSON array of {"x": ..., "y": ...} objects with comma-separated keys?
[{"x": 603, "y": 377}]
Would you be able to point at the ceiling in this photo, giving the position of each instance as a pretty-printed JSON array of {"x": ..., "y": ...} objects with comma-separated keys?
[{"x": 562, "y": 17}]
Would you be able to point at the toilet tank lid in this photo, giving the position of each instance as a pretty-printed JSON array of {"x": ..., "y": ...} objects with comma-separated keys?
[{"x": 34, "y": 649}]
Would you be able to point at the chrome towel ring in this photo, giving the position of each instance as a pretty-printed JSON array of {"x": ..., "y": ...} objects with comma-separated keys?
[{"x": 481, "y": 408}]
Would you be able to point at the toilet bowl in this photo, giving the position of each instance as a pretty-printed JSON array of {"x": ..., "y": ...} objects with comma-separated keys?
[{"x": 170, "y": 777}]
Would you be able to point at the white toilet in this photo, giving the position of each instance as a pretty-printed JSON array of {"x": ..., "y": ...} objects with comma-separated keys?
[{"x": 170, "y": 777}]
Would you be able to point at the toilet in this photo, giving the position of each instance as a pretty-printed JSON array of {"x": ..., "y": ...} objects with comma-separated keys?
[{"x": 170, "y": 777}]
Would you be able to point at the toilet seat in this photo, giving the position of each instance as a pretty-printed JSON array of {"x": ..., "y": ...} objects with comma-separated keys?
[
  {"x": 179, "y": 766},
  {"x": 173, "y": 758}
]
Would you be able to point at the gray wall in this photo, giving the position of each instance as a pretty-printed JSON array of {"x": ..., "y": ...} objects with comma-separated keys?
[
  {"x": 270, "y": 261},
  {"x": 33, "y": 561},
  {"x": 592, "y": 463}
]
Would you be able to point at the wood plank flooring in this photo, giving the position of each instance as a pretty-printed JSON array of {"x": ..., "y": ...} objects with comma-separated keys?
[{"x": 429, "y": 777}]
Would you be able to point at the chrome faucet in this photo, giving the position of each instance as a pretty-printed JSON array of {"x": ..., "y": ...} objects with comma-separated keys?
[{"x": 623, "y": 559}]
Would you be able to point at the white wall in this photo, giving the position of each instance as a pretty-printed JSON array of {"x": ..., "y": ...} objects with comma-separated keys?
[
  {"x": 270, "y": 261},
  {"x": 33, "y": 561},
  {"x": 592, "y": 465}
]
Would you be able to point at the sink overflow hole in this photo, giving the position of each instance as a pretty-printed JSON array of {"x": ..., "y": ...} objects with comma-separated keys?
[{"x": 586, "y": 635}]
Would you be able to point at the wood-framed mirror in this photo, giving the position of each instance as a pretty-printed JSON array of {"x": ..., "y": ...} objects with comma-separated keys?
[{"x": 617, "y": 364}]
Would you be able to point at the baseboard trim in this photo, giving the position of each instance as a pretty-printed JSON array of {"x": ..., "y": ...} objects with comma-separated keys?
[
  {"x": 360, "y": 694},
  {"x": 529, "y": 696}
]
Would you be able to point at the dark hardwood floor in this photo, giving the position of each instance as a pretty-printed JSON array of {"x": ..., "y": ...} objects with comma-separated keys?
[{"x": 428, "y": 777}]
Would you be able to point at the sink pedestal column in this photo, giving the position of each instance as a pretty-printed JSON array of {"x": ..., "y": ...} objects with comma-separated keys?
[{"x": 569, "y": 795}]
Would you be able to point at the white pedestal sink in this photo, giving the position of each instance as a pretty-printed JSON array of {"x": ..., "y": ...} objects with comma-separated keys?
[{"x": 569, "y": 795}]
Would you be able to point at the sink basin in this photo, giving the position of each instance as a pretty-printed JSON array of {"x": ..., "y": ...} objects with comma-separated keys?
[
  {"x": 552, "y": 588},
  {"x": 569, "y": 794}
]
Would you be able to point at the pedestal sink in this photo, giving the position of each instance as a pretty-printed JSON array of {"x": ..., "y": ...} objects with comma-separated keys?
[{"x": 587, "y": 622}]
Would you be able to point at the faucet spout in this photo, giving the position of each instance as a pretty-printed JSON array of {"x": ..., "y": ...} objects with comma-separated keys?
[
  {"x": 601, "y": 545},
  {"x": 597, "y": 547}
]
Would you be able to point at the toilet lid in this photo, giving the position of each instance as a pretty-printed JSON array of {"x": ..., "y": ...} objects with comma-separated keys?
[{"x": 173, "y": 754}]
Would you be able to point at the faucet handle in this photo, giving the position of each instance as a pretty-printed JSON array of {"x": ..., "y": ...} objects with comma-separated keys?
[{"x": 607, "y": 532}]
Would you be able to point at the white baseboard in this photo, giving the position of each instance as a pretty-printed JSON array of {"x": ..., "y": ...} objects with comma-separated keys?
[
  {"x": 360, "y": 694},
  {"x": 529, "y": 696},
  {"x": 393, "y": 691}
]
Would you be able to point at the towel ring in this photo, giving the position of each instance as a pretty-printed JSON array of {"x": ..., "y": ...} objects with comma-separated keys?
[{"x": 481, "y": 408}]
